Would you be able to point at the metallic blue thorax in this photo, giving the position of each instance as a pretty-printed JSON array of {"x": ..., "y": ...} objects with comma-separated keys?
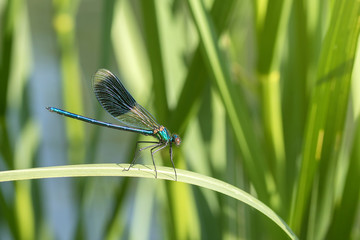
[{"x": 164, "y": 135}]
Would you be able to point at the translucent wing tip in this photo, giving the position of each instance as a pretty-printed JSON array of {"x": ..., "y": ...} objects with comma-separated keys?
[
  {"x": 103, "y": 71},
  {"x": 111, "y": 93},
  {"x": 102, "y": 74}
]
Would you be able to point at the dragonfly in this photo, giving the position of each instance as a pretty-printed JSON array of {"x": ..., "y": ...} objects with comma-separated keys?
[{"x": 118, "y": 102}]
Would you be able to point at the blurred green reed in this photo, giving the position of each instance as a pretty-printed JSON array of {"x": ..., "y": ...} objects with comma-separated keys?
[{"x": 263, "y": 93}]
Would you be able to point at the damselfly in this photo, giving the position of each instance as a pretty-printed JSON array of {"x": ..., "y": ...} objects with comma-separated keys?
[{"x": 117, "y": 101}]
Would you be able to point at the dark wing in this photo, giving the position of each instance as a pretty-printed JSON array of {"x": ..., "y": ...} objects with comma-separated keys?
[{"x": 115, "y": 99}]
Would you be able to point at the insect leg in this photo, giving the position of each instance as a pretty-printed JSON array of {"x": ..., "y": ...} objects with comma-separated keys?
[
  {"x": 171, "y": 159},
  {"x": 159, "y": 147},
  {"x": 141, "y": 149}
]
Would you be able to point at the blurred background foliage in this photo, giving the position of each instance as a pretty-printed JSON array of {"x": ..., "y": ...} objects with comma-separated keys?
[{"x": 264, "y": 94}]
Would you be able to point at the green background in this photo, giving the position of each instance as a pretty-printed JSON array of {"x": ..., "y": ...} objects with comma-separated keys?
[{"x": 263, "y": 93}]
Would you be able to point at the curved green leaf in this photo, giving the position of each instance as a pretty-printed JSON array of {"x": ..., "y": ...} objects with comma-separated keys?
[{"x": 144, "y": 171}]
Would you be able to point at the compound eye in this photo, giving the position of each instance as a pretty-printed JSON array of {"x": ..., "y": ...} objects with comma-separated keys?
[{"x": 177, "y": 140}]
